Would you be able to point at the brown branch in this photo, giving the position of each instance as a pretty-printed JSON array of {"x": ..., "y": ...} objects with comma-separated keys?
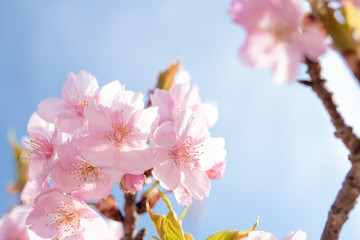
[
  {"x": 346, "y": 198},
  {"x": 131, "y": 216}
]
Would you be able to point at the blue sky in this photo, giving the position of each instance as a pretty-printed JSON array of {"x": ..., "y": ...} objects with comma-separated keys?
[{"x": 283, "y": 164}]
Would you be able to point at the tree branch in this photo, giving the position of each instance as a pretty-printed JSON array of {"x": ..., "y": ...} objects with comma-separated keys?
[
  {"x": 131, "y": 216},
  {"x": 346, "y": 198}
]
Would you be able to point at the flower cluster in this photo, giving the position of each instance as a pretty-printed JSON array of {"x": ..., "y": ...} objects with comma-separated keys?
[{"x": 82, "y": 144}]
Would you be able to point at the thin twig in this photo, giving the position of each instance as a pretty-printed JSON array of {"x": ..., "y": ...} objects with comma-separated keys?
[{"x": 346, "y": 198}]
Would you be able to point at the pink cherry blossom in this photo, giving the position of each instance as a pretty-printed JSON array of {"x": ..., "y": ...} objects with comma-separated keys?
[
  {"x": 89, "y": 180},
  {"x": 182, "y": 96},
  {"x": 260, "y": 235},
  {"x": 132, "y": 183},
  {"x": 275, "y": 36},
  {"x": 12, "y": 224},
  {"x": 184, "y": 151},
  {"x": 68, "y": 113},
  {"x": 217, "y": 170},
  {"x": 43, "y": 141},
  {"x": 119, "y": 133},
  {"x": 60, "y": 216}
]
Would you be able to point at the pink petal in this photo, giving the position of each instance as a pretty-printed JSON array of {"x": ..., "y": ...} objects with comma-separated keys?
[
  {"x": 98, "y": 123},
  {"x": 148, "y": 121},
  {"x": 197, "y": 183},
  {"x": 285, "y": 67},
  {"x": 312, "y": 42},
  {"x": 258, "y": 49},
  {"x": 36, "y": 122},
  {"x": 164, "y": 137},
  {"x": 166, "y": 171},
  {"x": 214, "y": 151},
  {"x": 182, "y": 196},
  {"x": 134, "y": 161},
  {"x": 83, "y": 84},
  {"x": 71, "y": 122},
  {"x": 210, "y": 112},
  {"x": 164, "y": 101},
  {"x": 109, "y": 91},
  {"x": 50, "y": 108},
  {"x": 181, "y": 123}
]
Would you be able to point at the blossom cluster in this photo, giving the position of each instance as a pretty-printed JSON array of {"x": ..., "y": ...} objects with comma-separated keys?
[{"x": 91, "y": 138}]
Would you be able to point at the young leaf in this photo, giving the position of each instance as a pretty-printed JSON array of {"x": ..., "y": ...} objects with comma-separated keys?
[
  {"x": 232, "y": 234},
  {"x": 169, "y": 226},
  {"x": 166, "y": 78}
]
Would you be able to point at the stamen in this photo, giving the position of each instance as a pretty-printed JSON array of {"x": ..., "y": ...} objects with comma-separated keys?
[
  {"x": 84, "y": 171},
  {"x": 187, "y": 152},
  {"x": 41, "y": 146}
]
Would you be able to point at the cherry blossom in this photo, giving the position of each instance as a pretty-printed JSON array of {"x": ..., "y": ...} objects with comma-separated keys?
[
  {"x": 184, "y": 151},
  {"x": 89, "y": 180},
  {"x": 182, "y": 96},
  {"x": 120, "y": 132},
  {"x": 275, "y": 36},
  {"x": 68, "y": 113},
  {"x": 43, "y": 141},
  {"x": 59, "y": 216}
]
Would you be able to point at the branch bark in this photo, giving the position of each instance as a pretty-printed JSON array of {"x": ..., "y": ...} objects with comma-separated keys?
[
  {"x": 131, "y": 216},
  {"x": 346, "y": 198}
]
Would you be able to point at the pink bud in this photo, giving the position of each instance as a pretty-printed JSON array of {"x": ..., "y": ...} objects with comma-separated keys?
[{"x": 132, "y": 183}]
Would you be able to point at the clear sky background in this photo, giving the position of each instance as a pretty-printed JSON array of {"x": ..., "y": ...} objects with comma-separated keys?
[{"x": 283, "y": 164}]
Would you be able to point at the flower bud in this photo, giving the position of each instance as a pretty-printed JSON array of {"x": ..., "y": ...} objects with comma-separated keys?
[{"x": 132, "y": 183}]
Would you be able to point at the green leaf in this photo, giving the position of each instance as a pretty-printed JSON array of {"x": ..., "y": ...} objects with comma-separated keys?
[
  {"x": 169, "y": 226},
  {"x": 232, "y": 234}
]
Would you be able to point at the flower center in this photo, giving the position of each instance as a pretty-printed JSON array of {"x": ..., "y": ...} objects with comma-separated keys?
[
  {"x": 281, "y": 33},
  {"x": 78, "y": 103},
  {"x": 84, "y": 171},
  {"x": 67, "y": 220},
  {"x": 186, "y": 153},
  {"x": 120, "y": 131}
]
